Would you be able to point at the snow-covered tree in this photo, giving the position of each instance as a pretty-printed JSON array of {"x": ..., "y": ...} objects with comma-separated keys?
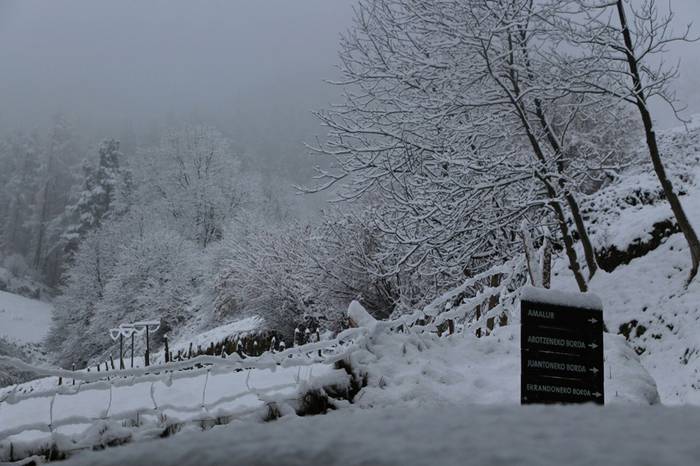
[
  {"x": 455, "y": 117},
  {"x": 98, "y": 193},
  {"x": 129, "y": 269},
  {"x": 19, "y": 155},
  {"x": 616, "y": 49},
  {"x": 266, "y": 272},
  {"x": 155, "y": 277},
  {"x": 195, "y": 180},
  {"x": 91, "y": 268}
]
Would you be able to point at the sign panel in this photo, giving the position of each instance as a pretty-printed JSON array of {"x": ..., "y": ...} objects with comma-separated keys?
[
  {"x": 561, "y": 349},
  {"x": 558, "y": 390}
]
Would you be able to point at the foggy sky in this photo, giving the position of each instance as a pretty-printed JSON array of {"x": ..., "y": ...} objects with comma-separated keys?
[{"x": 255, "y": 68}]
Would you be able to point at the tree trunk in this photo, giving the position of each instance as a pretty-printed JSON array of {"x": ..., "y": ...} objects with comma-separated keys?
[
  {"x": 566, "y": 236},
  {"x": 530, "y": 257},
  {"x": 569, "y": 247},
  {"x": 588, "y": 250},
  {"x": 494, "y": 282},
  {"x": 516, "y": 101},
  {"x": 683, "y": 222},
  {"x": 43, "y": 218},
  {"x": 571, "y": 201},
  {"x": 546, "y": 265}
]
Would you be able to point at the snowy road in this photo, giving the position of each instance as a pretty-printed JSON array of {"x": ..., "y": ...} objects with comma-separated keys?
[{"x": 480, "y": 435}]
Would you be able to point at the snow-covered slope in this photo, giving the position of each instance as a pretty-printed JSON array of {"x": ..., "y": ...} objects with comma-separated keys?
[
  {"x": 632, "y": 213},
  {"x": 644, "y": 296},
  {"x": 23, "y": 320},
  {"x": 647, "y": 302},
  {"x": 218, "y": 334}
]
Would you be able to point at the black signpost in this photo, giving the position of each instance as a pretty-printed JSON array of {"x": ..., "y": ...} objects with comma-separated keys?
[{"x": 561, "y": 347}]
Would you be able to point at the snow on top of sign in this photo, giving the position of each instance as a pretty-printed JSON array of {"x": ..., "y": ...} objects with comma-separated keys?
[{"x": 561, "y": 298}]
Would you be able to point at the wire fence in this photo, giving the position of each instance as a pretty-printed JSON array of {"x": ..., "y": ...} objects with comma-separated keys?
[{"x": 202, "y": 368}]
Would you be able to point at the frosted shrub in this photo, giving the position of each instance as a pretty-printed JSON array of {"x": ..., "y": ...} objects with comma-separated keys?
[{"x": 16, "y": 265}]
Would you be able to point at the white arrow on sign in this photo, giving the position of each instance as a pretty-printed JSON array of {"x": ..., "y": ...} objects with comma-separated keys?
[
  {"x": 594, "y": 370},
  {"x": 593, "y": 346},
  {"x": 597, "y": 395},
  {"x": 593, "y": 320}
]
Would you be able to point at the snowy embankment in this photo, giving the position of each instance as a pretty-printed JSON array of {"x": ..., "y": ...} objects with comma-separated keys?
[
  {"x": 453, "y": 434},
  {"x": 647, "y": 302},
  {"x": 462, "y": 368},
  {"x": 23, "y": 320},
  {"x": 644, "y": 294},
  {"x": 236, "y": 329}
]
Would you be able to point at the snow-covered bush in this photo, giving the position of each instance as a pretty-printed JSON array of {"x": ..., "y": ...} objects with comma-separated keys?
[
  {"x": 8, "y": 374},
  {"x": 126, "y": 271},
  {"x": 16, "y": 265},
  {"x": 266, "y": 273},
  {"x": 85, "y": 280},
  {"x": 352, "y": 262},
  {"x": 292, "y": 273},
  {"x": 155, "y": 277},
  {"x": 194, "y": 181}
]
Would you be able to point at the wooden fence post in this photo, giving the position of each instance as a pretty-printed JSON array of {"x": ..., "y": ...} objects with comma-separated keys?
[
  {"x": 147, "y": 357},
  {"x": 121, "y": 351}
]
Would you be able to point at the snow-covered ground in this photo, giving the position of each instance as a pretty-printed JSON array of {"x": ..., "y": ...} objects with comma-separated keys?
[
  {"x": 464, "y": 369},
  {"x": 444, "y": 434},
  {"x": 404, "y": 370},
  {"x": 23, "y": 320},
  {"x": 663, "y": 317},
  {"x": 647, "y": 299}
]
